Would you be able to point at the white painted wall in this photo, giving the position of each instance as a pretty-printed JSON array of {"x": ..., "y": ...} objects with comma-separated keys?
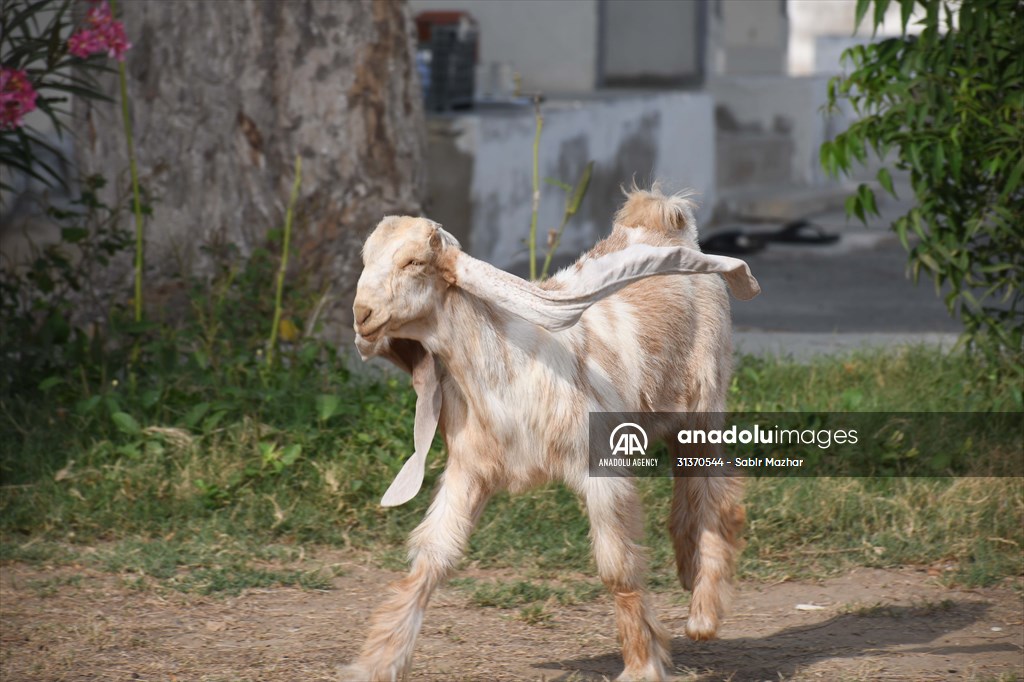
[
  {"x": 796, "y": 103},
  {"x": 667, "y": 136},
  {"x": 551, "y": 43}
]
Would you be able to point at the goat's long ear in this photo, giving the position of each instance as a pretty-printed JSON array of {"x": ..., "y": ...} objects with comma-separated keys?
[
  {"x": 426, "y": 381},
  {"x": 595, "y": 279},
  {"x": 412, "y": 357}
]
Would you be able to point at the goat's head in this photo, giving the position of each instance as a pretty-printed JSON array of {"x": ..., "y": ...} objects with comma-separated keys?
[{"x": 405, "y": 261}]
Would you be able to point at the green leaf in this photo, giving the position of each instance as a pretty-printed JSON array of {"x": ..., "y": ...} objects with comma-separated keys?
[
  {"x": 955, "y": 161},
  {"x": 566, "y": 187},
  {"x": 211, "y": 422},
  {"x": 862, "y": 9},
  {"x": 900, "y": 226},
  {"x": 867, "y": 200},
  {"x": 885, "y": 180},
  {"x": 880, "y": 7},
  {"x": 18, "y": 18},
  {"x": 1013, "y": 181},
  {"x": 906, "y": 9},
  {"x": 73, "y": 234},
  {"x": 290, "y": 454},
  {"x": 49, "y": 382},
  {"x": 915, "y": 156},
  {"x": 928, "y": 262},
  {"x": 197, "y": 412},
  {"x": 327, "y": 406},
  {"x": 916, "y": 222},
  {"x": 151, "y": 397},
  {"x": 581, "y": 190},
  {"x": 827, "y": 158},
  {"x": 850, "y": 205},
  {"x": 87, "y": 406},
  {"x": 126, "y": 423}
]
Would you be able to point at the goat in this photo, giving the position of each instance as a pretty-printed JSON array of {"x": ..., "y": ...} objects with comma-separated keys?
[{"x": 511, "y": 370}]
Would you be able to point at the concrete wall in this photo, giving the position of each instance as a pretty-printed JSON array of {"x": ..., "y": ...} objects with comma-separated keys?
[
  {"x": 778, "y": 107},
  {"x": 651, "y": 40},
  {"x": 551, "y": 43},
  {"x": 752, "y": 37},
  {"x": 479, "y": 167}
]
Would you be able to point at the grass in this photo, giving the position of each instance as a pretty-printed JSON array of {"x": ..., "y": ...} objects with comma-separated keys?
[
  {"x": 510, "y": 594},
  {"x": 881, "y": 610},
  {"x": 211, "y": 478}
]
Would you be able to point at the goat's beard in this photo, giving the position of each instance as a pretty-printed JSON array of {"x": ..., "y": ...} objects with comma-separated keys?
[{"x": 371, "y": 349}]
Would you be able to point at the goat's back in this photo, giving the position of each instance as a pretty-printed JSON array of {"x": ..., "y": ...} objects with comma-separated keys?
[{"x": 665, "y": 341}]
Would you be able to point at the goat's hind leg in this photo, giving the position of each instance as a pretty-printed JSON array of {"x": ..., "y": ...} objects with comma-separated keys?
[
  {"x": 434, "y": 547},
  {"x": 705, "y": 524},
  {"x": 616, "y": 527}
]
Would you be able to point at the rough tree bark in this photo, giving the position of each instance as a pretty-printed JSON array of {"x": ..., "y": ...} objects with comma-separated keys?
[{"x": 225, "y": 94}]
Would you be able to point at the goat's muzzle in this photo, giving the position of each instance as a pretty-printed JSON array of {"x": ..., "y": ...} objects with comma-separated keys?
[{"x": 365, "y": 324}]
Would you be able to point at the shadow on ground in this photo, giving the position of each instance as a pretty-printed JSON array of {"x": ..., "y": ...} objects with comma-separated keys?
[{"x": 780, "y": 655}]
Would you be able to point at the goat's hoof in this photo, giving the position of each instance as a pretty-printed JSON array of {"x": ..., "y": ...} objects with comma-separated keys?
[
  {"x": 701, "y": 628},
  {"x": 652, "y": 672},
  {"x": 358, "y": 672}
]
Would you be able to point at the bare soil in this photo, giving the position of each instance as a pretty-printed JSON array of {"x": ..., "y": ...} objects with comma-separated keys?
[{"x": 73, "y": 623}]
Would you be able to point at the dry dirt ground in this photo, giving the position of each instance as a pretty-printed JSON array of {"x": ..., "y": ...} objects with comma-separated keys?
[{"x": 72, "y": 623}]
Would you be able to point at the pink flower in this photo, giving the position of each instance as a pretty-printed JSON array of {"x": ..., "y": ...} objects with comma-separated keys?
[
  {"x": 103, "y": 34},
  {"x": 85, "y": 43},
  {"x": 17, "y": 97}
]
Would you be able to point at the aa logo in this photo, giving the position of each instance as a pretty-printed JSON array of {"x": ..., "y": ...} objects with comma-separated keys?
[{"x": 628, "y": 439}]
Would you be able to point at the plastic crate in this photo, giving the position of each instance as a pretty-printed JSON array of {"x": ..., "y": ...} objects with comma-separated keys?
[{"x": 446, "y": 59}]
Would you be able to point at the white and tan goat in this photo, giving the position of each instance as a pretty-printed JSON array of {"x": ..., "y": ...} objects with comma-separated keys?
[{"x": 511, "y": 370}]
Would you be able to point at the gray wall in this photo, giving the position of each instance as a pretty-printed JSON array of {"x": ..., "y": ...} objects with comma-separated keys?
[
  {"x": 480, "y": 166},
  {"x": 651, "y": 40}
]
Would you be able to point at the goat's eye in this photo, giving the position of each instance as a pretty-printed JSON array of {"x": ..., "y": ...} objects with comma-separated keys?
[{"x": 412, "y": 263}]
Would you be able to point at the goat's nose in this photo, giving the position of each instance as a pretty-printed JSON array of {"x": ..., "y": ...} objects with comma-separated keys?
[{"x": 362, "y": 313}]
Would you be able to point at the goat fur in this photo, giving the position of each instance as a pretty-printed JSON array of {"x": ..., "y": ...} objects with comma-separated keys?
[{"x": 515, "y": 402}]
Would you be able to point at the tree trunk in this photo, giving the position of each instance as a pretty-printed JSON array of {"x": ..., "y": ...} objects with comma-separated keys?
[{"x": 224, "y": 95}]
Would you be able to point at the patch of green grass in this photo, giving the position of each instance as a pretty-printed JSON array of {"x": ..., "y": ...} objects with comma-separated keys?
[
  {"x": 206, "y": 565},
  {"x": 49, "y": 587},
  {"x": 813, "y": 527},
  {"x": 914, "y": 379},
  {"x": 507, "y": 595},
  {"x": 233, "y": 579},
  {"x": 221, "y": 471},
  {"x": 537, "y": 615},
  {"x": 34, "y": 550}
]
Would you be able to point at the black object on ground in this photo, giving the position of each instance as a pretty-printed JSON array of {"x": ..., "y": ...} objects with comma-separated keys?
[
  {"x": 732, "y": 242},
  {"x": 802, "y": 232}
]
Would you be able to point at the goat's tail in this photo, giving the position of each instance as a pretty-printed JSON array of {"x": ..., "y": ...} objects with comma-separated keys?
[{"x": 651, "y": 209}]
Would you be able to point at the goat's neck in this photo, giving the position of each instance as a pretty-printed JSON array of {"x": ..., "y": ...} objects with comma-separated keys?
[{"x": 469, "y": 340}]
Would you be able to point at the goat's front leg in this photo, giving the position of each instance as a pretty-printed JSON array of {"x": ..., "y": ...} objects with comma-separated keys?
[
  {"x": 616, "y": 526},
  {"x": 434, "y": 548}
]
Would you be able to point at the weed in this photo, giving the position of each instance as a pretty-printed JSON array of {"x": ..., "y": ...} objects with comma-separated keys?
[
  {"x": 507, "y": 595},
  {"x": 49, "y": 587},
  {"x": 233, "y": 579},
  {"x": 535, "y": 614},
  {"x": 881, "y": 610}
]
